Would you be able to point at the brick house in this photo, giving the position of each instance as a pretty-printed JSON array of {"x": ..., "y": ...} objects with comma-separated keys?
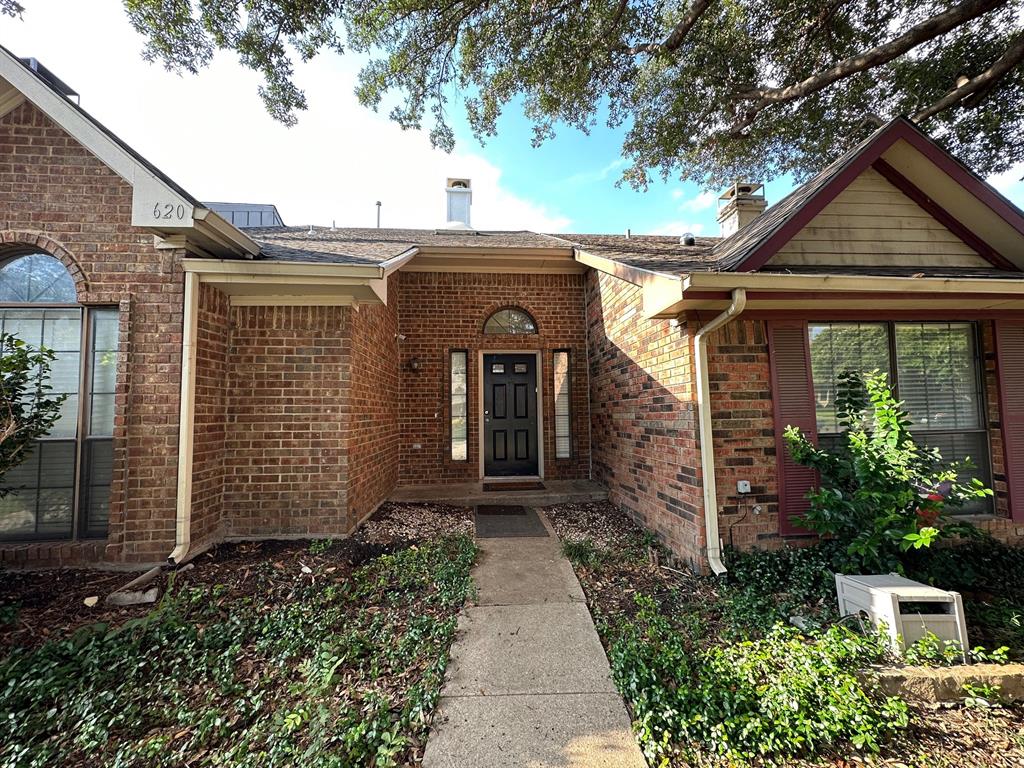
[{"x": 230, "y": 382}]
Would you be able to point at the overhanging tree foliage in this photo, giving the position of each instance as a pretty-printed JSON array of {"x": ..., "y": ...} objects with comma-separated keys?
[{"x": 708, "y": 89}]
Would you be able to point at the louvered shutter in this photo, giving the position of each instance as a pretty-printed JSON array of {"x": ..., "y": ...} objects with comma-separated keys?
[
  {"x": 1010, "y": 366},
  {"x": 793, "y": 404}
]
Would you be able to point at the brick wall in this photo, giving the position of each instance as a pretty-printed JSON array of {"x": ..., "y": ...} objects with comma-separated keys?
[
  {"x": 56, "y": 196},
  {"x": 738, "y": 370},
  {"x": 439, "y": 312},
  {"x": 286, "y": 459},
  {"x": 211, "y": 412},
  {"x": 373, "y": 440},
  {"x": 643, "y": 414}
]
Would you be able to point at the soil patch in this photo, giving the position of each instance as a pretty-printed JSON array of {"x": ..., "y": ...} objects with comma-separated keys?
[{"x": 38, "y": 605}]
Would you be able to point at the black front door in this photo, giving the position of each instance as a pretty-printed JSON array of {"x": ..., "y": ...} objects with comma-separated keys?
[{"x": 510, "y": 415}]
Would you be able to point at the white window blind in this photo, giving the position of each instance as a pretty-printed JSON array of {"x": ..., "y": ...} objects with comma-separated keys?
[
  {"x": 459, "y": 405},
  {"x": 563, "y": 399}
]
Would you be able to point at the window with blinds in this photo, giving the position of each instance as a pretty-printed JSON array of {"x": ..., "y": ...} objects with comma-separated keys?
[
  {"x": 563, "y": 400},
  {"x": 459, "y": 405},
  {"x": 933, "y": 367},
  {"x": 62, "y": 488}
]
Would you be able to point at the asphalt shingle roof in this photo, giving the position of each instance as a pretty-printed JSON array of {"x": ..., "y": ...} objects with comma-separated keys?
[
  {"x": 373, "y": 246},
  {"x": 655, "y": 252}
]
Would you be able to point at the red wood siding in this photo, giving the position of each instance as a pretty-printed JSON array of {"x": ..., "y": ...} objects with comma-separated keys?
[
  {"x": 1010, "y": 369},
  {"x": 793, "y": 400}
]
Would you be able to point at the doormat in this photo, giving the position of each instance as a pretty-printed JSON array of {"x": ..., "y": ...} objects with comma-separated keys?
[
  {"x": 502, "y": 521},
  {"x": 527, "y": 485}
]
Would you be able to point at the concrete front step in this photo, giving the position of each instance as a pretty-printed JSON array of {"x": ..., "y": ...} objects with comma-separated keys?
[{"x": 471, "y": 494}]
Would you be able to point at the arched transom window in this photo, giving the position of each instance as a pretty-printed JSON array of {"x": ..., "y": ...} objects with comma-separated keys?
[
  {"x": 510, "y": 321},
  {"x": 62, "y": 489}
]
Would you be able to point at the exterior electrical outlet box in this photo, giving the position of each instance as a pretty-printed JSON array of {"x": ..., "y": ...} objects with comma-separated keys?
[
  {"x": 894, "y": 605},
  {"x": 742, "y": 486}
]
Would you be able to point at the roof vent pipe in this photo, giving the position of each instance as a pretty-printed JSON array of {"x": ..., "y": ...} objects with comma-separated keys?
[
  {"x": 688, "y": 239},
  {"x": 460, "y": 198}
]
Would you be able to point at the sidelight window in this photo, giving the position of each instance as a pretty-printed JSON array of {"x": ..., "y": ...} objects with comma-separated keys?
[
  {"x": 459, "y": 400},
  {"x": 563, "y": 400}
]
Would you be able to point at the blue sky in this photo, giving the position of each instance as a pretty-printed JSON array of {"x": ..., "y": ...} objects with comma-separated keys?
[{"x": 211, "y": 134}]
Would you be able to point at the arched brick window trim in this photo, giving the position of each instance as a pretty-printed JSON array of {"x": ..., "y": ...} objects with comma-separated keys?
[{"x": 16, "y": 243}]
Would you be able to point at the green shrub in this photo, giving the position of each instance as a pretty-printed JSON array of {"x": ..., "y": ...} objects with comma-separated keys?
[
  {"x": 881, "y": 494},
  {"x": 766, "y": 587},
  {"x": 327, "y": 679},
  {"x": 783, "y": 696}
]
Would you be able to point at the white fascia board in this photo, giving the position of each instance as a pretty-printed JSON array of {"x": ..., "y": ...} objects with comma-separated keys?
[
  {"x": 155, "y": 205},
  {"x": 853, "y": 283}
]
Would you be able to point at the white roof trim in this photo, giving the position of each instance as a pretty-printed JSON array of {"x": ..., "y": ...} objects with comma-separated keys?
[{"x": 156, "y": 206}]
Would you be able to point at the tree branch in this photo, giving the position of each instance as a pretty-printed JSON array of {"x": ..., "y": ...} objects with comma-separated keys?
[
  {"x": 983, "y": 82},
  {"x": 678, "y": 33},
  {"x": 928, "y": 29}
]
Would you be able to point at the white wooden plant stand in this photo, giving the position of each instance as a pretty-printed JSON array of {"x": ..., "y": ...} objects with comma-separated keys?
[{"x": 879, "y": 596}]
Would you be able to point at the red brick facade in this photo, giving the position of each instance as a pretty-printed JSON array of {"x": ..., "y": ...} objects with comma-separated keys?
[
  {"x": 441, "y": 312},
  {"x": 644, "y": 416},
  {"x": 744, "y": 430},
  {"x": 54, "y": 195},
  {"x": 307, "y": 417}
]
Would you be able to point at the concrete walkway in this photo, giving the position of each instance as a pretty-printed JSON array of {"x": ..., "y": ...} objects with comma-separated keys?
[{"x": 528, "y": 682}]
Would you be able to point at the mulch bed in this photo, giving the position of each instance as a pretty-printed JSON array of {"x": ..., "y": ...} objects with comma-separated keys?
[
  {"x": 942, "y": 738},
  {"x": 52, "y": 603}
]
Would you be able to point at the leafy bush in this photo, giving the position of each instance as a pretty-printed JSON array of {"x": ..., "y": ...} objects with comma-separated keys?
[
  {"x": 766, "y": 587},
  {"x": 27, "y": 409},
  {"x": 881, "y": 494},
  {"x": 783, "y": 696},
  {"x": 330, "y": 678}
]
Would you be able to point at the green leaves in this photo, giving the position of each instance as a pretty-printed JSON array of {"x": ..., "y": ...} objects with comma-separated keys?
[
  {"x": 780, "y": 696},
  {"x": 692, "y": 82},
  {"x": 320, "y": 680},
  {"x": 28, "y": 410},
  {"x": 880, "y": 493}
]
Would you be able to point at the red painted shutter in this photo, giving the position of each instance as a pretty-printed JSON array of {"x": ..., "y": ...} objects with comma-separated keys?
[
  {"x": 1010, "y": 367},
  {"x": 793, "y": 401}
]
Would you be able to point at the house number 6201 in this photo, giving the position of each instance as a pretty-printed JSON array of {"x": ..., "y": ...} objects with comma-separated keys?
[{"x": 168, "y": 211}]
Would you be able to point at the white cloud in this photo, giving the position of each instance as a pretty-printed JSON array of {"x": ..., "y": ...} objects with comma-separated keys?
[
  {"x": 677, "y": 228},
  {"x": 701, "y": 202},
  {"x": 1008, "y": 180},
  {"x": 211, "y": 134},
  {"x": 600, "y": 174}
]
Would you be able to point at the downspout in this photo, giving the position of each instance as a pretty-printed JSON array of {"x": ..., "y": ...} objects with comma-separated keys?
[
  {"x": 186, "y": 421},
  {"x": 707, "y": 446}
]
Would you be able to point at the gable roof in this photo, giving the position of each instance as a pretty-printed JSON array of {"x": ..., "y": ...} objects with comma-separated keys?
[
  {"x": 750, "y": 248},
  {"x": 159, "y": 204}
]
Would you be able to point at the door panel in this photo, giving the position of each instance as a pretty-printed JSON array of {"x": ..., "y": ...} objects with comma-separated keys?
[{"x": 510, "y": 415}]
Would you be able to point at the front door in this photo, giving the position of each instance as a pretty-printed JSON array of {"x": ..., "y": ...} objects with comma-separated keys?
[{"x": 510, "y": 415}]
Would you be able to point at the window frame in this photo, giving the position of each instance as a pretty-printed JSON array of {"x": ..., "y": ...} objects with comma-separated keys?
[
  {"x": 554, "y": 401},
  {"x": 510, "y": 308},
  {"x": 985, "y": 469},
  {"x": 451, "y": 404},
  {"x": 78, "y": 530}
]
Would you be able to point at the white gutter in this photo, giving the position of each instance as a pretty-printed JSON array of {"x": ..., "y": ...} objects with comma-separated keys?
[
  {"x": 707, "y": 446},
  {"x": 186, "y": 421}
]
